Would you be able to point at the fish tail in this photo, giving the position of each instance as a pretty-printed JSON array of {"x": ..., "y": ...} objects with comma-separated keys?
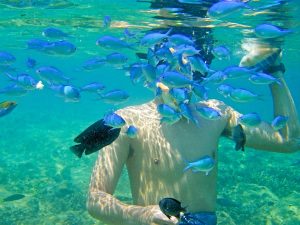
[
  {"x": 169, "y": 31},
  {"x": 187, "y": 168},
  {"x": 78, "y": 149}
]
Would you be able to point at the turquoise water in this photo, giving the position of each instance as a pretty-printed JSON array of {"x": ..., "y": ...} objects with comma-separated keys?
[{"x": 254, "y": 187}]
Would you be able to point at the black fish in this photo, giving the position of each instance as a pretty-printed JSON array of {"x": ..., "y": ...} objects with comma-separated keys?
[
  {"x": 95, "y": 137},
  {"x": 239, "y": 137},
  {"x": 13, "y": 197},
  {"x": 171, "y": 207}
]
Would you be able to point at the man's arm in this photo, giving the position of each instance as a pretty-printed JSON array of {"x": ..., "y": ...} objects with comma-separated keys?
[
  {"x": 264, "y": 137},
  {"x": 103, "y": 205}
]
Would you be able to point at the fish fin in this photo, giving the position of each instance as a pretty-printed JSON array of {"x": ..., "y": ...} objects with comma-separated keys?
[{"x": 78, "y": 149}]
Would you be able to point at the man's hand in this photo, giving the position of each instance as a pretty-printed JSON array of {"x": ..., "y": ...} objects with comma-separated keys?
[{"x": 155, "y": 216}]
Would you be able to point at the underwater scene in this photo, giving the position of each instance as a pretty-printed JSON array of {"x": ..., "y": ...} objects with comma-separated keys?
[{"x": 65, "y": 64}]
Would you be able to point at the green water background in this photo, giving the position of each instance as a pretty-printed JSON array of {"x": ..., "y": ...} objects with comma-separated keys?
[{"x": 254, "y": 187}]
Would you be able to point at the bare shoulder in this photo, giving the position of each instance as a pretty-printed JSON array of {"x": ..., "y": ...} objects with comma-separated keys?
[{"x": 140, "y": 115}]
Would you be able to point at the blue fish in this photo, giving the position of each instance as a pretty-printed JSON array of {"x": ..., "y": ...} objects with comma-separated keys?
[
  {"x": 200, "y": 91},
  {"x": 30, "y": 63},
  {"x": 225, "y": 90},
  {"x": 6, "y": 107},
  {"x": 114, "y": 120},
  {"x": 37, "y": 44},
  {"x": 6, "y": 58},
  {"x": 175, "y": 79},
  {"x": 250, "y": 119},
  {"x": 116, "y": 59},
  {"x": 115, "y": 96},
  {"x": 106, "y": 21},
  {"x": 208, "y": 112},
  {"x": 61, "y": 47},
  {"x": 93, "y": 87},
  {"x": 24, "y": 80},
  {"x": 270, "y": 31},
  {"x": 93, "y": 63},
  {"x": 166, "y": 111},
  {"x": 132, "y": 131},
  {"x": 243, "y": 95},
  {"x": 70, "y": 93},
  {"x": 13, "y": 90},
  {"x": 204, "y": 164},
  {"x": 221, "y": 52},
  {"x": 154, "y": 38},
  {"x": 52, "y": 32},
  {"x": 279, "y": 122},
  {"x": 180, "y": 39},
  {"x": 224, "y": 8},
  {"x": 111, "y": 42},
  {"x": 180, "y": 94}
]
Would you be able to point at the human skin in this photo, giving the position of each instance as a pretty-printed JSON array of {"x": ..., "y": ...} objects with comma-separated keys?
[{"x": 155, "y": 159}]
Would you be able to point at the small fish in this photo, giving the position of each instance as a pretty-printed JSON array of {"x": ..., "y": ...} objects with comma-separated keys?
[
  {"x": 106, "y": 21},
  {"x": 171, "y": 207},
  {"x": 93, "y": 87},
  {"x": 154, "y": 38},
  {"x": 187, "y": 111},
  {"x": 180, "y": 94},
  {"x": 200, "y": 91},
  {"x": 6, "y": 107},
  {"x": 217, "y": 77},
  {"x": 186, "y": 50},
  {"x": 225, "y": 90},
  {"x": 128, "y": 34},
  {"x": 175, "y": 79},
  {"x": 13, "y": 90},
  {"x": 179, "y": 39},
  {"x": 250, "y": 119},
  {"x": 204, "y": 164},
  {"x": 149, "y": 72},
  {"x": 24, "y": 80},
  {"x": 114, "y": 120},
  {"x": 94, "y": 138},
  {"x": 239, "y": 137},
  {"x": 31, "y": 63},
  {"x": 234, "y": 72},
  {"x": 61, "y": 47},
  {"x": 225, "y": 8},
  {"x": 116, "y": 59},
  {"x": 243, "y": 95},
  {"x": 263, "y": 78},
  {"x": 135, "y": 73},
  {"x": 13, "y": 197},
  {"x": 171, "y": 119},
  {"x": 115, "y": 96},
  {"x": 132, "y": 131},
  {"x": 279, "y": 122},
  {"x": 6, "y": 58},
  {"x": 52, "y": 75},
  {"x": 208, "y": 112},
  {"x": 37, "y": 44},
  {"x": 221, "y": 52},
  {"x": 93, "y": 63},
  {"x": 199, "y": 65},
  {"x": 270, "y": 31},
  {"x": 52, "y": 32},
  {"x": 166, "y": 110},
  {"x": 70, "y": 93},
  {"x": 111, "y": 42}
]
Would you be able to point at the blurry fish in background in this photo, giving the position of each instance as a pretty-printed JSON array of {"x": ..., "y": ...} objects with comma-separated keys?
[
  {"x": 6, "y": 107},
  {"x": 243, "y": 95},
  {"x": 250, "y": 119},
  {"x": 171, "y": 207},
  {"x": 93, "y": 63},
  {"x": 263, "y": 78},
  {"x": 270, "y": 31},
  {"x": 61, "y": 47},
  {"x": 13, "y": 197},
  {"x": 94, "y": 138},
  {"x": 6, "y": 58},
  {"x": 200, "y": 91},
  {"x": 225, "y": 8},
  {"x": 132, "y": 131},
  {"x": 221, "y": 52},
  {"x": 95, "y": 87},
  {"x": 129, "y": 34},
  {"x": 279, "y": 122},
  {"x": 106, "y": 21},
  {"x": 52, "y": 32},
  {"x": 135, "y": 72},
  {"x": 115, "y": 96},
  {"x": 114, "y": 120},
  {"x": 37, "y": 44},
  {"x": 239, "y": 137},
  {"x": 24, "y": 80},
  {"x": 225, "y": 90},
  {"x": 70, "y": 93},
  {"x": 111, "y": 42},
  {"x": 208, "y": 112},
  {"x": 234, "y": 72},
  {"x": 30, "y": 63},
  {"x": 13, "y": 90},
  {"x": 204, "y": 164},
  {"x": 116, "y": 59},
  {"x": 52, "y": 75},
  {"x": 180, "y": 39},
  {"x": 216, "y": 78},
  {"x": 152, "y": 39}
]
